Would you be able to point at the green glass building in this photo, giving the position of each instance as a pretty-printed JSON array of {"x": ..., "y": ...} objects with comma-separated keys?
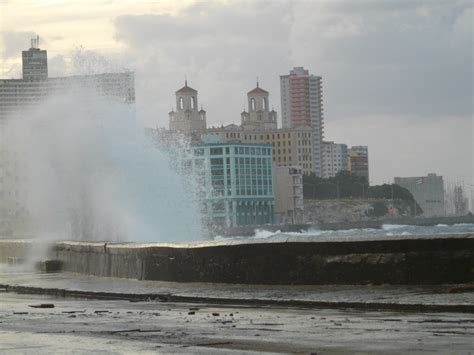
[{"x": 237, "y": 181}]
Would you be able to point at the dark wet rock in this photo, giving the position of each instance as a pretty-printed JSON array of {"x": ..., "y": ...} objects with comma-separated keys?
[
  {"x": 215, "y": 314},
  {"x": 461, "y": 288},
  {"x": 42, "y": 305},
  {"x": 191, "y": 313},
  {"x": 49, "y": 265}
]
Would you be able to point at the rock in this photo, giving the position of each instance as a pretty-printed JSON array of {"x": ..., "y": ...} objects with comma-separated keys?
[{"x": 49, "y": 265}]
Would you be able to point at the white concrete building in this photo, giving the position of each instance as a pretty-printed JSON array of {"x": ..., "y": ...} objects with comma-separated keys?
[
  {"x": 302, "y": 104},
  {"x": 428, "y": 192},
  {"x": 288, "y": 194},
  {"x": 334, "y": 159},
  {"x": 20, "y": 97}
]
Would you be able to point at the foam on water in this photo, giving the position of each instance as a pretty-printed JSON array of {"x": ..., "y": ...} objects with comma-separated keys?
[
  {"x": 386, "y": 230},
  {"x": 89, "y": 172},
  {"x": 389, "y": 227}
]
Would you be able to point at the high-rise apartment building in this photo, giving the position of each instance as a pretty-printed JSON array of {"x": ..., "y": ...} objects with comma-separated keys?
[
  {"x": 302, "y": 104},
  {"x": 334, "y": 159},
  {"x": 21, "y": 97},
  {"x": 35, "y": 62}
]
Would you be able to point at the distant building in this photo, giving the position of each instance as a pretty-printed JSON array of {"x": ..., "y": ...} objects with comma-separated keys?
[
  {"x": 302, "y": 104},
  {"x": 334, "y": 159},
  {"x": 25, "y": 94},
  {"x": 187, "y": 118},
  {"x": 259, "y": 116},
  {"x": 428, "y": 192},
  {"x": 237, "y": 181},
  {"x": 358, "y": 161},
  {"x": 288, "y": 194},
  {"x": 461, "y": 205},
  {"x": 20, "y": 97},
  {"x": 35, "y": 62},
  {"x": 290, "y": 146}
]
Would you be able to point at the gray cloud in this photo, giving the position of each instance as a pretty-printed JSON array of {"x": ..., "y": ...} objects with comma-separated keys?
[
  {"x": 388, "y": 57},
  {"x": 13, "y": 42},
  {"x": 409, "y": 62},
  {"x": 221, "y": 48}
]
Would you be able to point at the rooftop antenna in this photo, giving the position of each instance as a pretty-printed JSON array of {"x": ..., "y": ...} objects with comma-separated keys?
[
  {"x": 185, "y": 80},
  {"x": 35, "y": 42},
  {"x": 257, "y": 81}
]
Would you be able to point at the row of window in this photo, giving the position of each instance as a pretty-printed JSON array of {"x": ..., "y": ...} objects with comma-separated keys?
[{"x": 237, "y": 150}]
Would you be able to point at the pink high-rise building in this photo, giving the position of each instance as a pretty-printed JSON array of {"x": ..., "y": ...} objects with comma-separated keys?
[{"x": 302, "y": 104}]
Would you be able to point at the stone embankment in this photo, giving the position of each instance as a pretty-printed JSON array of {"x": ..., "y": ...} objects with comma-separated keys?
[{"x": 443, "y": 259}]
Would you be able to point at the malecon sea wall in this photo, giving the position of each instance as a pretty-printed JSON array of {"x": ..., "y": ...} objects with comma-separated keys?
[{"x": 294, "y": 260}]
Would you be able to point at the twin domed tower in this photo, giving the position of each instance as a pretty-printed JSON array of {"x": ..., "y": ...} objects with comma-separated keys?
[{"x": 188, "y": 119}]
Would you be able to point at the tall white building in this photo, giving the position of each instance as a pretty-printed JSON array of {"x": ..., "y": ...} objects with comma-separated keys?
[
  {"x": 334, "y": 159},
  {"x": 302, "y": 104},
  {"x": 20, "y": 97}
]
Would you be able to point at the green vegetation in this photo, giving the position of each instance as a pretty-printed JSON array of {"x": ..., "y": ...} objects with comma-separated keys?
[
  {"x": 346, "y": 185},
  {"x": 379, "y": 209}
]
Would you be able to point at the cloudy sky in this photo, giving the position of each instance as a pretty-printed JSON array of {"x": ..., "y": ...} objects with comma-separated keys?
[{"x": 397, "y": 75}]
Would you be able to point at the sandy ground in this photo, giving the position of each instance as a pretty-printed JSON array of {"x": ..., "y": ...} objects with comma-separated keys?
[{"x": 85, "y": 326}]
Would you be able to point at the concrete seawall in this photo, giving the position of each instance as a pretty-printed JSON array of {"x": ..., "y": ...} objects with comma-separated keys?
[{"x": 315, "y": 260}]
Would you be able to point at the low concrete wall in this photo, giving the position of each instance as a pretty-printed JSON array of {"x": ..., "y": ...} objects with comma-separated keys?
[
  {"x": 394, "y": 260},
  {"x": 14, "y": 249}
]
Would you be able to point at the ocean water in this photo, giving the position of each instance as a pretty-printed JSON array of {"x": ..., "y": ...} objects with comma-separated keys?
[{"x": 386, "y": 230}]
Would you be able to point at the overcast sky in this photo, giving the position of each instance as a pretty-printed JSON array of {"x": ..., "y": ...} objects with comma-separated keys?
[{"x": 397, "y": 75}]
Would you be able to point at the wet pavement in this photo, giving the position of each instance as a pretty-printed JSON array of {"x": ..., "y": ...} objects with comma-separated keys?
[
  {"x": 382, "y": 294},
  {"x": 226, "y": 325},
  {"x": 86, "y": 326}
]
